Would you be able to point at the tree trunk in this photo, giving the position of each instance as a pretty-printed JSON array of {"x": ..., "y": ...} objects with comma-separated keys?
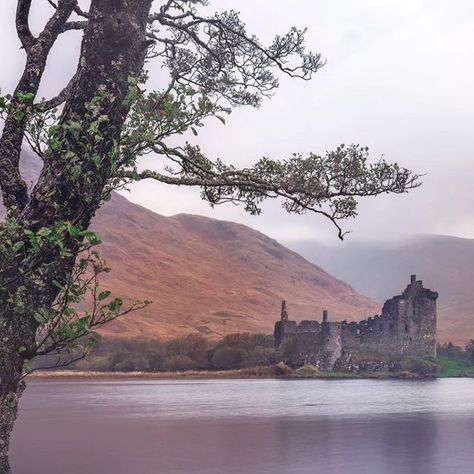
[
  {"x": 8, "y": 414},
  {"x": 11, "y": 389},
  {"x": 113, "y": 50}
]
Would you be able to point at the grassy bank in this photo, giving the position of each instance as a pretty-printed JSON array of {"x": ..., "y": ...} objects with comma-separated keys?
[
  {"x": 257, "y": 372},
  {"x": 251, "y": 373},
  {"x": 407, "y": 368},
  {"x": 191, "y": 374},
  {"x": 454, "y": 368}
]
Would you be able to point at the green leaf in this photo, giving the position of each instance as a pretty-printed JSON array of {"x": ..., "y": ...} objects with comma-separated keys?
[
  {"x": 39, "y": 318},
  {"x": 69, "y": 312},
  {"x": 27, "y": 366},
  {"x": 115, "y": 304},
  {"x": 73, "y": 231},
  {"x": 104, "y": 295},
  {"x": 18, "y": 246}
]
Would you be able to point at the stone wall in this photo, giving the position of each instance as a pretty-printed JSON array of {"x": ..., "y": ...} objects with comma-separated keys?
[{"x": 407, "y": 326}]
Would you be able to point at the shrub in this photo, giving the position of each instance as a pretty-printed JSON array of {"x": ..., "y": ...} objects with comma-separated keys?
[
  {"x": 260, "y": 356},
  {"x": 241, "y": 340},
  {"x": 193, "y": 346},
  {"x": 261, "y": 340},
  {"x": 469, "y": 350},
  {"x": 137, "y": 362},
  {"x": 178, "y": 363},
  {"x": 228, "y": 358},
  {"x": 452, "y": 351},
  {"x": 192, "y": 352}
]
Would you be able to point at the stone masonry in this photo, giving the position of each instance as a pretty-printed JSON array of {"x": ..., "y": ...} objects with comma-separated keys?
[{"x": 407, "y": 327}]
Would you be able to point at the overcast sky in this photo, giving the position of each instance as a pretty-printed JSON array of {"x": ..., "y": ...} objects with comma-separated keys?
[{"x": 399, "y": 78}]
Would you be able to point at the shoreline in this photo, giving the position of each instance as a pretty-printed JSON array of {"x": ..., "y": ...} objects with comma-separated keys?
[
  {"x": 227, "y": 374},
  {"x": 144, "y": 375}
]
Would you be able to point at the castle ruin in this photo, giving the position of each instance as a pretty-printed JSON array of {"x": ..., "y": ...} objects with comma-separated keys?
[{"x": 407, "y": 327}]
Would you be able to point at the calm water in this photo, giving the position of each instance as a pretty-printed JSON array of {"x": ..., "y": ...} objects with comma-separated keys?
[{"x": 246, "y": 426}]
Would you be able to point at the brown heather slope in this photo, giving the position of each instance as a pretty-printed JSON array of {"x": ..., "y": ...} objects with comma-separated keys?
[{"x": 208, "y": 276}]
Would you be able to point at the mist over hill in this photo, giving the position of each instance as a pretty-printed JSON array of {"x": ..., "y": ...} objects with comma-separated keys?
[{"x": 379, "y": 270}]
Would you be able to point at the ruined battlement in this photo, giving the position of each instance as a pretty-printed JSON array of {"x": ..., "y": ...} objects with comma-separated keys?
[{"x": 406, "y": 326}]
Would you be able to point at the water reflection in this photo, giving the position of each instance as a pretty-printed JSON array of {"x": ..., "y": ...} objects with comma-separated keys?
[{"x": 237, "y": 427}]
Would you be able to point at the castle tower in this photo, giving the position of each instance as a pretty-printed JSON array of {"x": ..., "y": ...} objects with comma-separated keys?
[
  {"x": 411, "y": 321},
  {"x": 330, "y": 348},
  {"x": 282, "y": 326}
]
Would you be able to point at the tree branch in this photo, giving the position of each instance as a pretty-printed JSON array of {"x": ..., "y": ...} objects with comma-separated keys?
[
  {"x": 14, "y": 189},
  {"x": 22, "y": 24},
  {"x": 56, "y": 23},
  {"x": 77, "y": 10},
  {"x": 74, "y": 25},
  {"x": 217, "y": 54},
  {"x": 326, "y": 185}
]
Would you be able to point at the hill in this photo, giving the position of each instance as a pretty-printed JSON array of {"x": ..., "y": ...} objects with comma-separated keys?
[
  {"x": 208, "y": 276},
  {"x": 446, "y": 265}
]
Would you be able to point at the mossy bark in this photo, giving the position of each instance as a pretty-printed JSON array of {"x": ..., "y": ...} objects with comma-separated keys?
[
  {"x": 113, "y": 50},
  {"x": 8, "y": 413},
  {"x": 11, "y": 388}
]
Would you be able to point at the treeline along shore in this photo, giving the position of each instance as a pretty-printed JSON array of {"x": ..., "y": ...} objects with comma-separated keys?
[{"x": 247, "y": 356}]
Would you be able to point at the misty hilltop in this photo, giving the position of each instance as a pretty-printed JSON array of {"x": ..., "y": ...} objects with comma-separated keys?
[{"x": 444, "y": 263}]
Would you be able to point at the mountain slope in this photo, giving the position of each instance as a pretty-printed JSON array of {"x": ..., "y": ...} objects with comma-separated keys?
[
  {"x": 445, "y": 264},
  {"x": 209, "y": 276}
]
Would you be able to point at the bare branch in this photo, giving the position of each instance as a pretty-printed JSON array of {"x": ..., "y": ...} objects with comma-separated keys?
[
  {"x": 74, "y": 25},
  {"x": 80, "y": 12}
]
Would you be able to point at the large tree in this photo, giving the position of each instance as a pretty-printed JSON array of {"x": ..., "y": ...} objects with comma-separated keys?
[{"x": 91, "y": 136}]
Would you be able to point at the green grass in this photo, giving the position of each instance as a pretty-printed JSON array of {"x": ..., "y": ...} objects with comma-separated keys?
[{"x": 454, "y": 368}]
